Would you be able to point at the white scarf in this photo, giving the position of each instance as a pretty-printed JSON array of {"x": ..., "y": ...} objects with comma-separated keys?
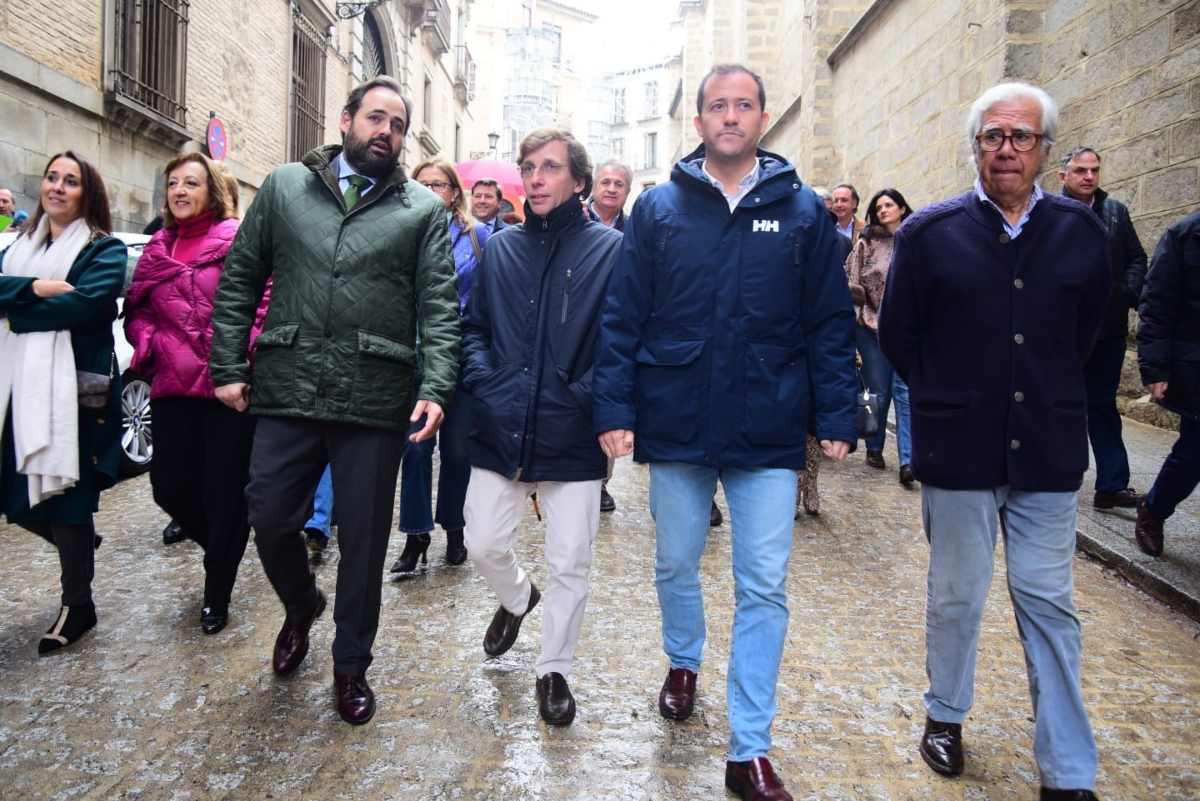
[{"x": 37, "y": 370}]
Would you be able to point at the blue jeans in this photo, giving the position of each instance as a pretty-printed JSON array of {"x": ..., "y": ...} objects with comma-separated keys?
[
  {"x": 903, "y": 419},
  {"x": 322, "y": 516},
  {"x": 877, "y": 375},
  {"x": 416, "y": 473},
  {"x": 1102, "y": 376},
  {"x": 1039, "y": 544},
  {"x": 1180, "y": 472},
  {"x": 761, "y": 505}
]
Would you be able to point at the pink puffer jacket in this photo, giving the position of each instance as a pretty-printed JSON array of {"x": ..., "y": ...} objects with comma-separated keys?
[{"x": 168, "y": 311}]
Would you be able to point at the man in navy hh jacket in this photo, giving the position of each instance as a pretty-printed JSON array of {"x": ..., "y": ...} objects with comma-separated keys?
[
  {"x": 726, "y": 337},
  {"x": 994, "y": 301},
  {"x": 529, "y": 339}
]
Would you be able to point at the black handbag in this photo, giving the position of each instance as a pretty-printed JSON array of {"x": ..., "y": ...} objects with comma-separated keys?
[{"x": 869, "y": 410}]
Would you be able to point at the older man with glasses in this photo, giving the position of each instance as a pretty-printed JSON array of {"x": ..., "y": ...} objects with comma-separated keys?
[{"x": 994, "y": 301}]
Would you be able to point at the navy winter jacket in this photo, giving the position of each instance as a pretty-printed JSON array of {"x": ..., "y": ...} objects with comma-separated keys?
[
  {"x": 991, "y": 335},
  {"x": 529, "y": 339},
  {"x": 727, "y": 337},
  {"x": 1169, "y": 328}
]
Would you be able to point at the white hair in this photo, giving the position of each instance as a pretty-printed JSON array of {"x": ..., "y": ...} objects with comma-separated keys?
[{"x": 1007, "y": 93}]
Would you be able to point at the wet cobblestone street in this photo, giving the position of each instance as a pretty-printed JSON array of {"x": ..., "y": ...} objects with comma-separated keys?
[{"x": 147, "y": 707}]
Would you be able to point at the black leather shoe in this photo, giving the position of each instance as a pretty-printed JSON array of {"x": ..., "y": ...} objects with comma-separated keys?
[
  {"x": 505, "y": 626},
  {"x": 556, "y": 705},
  {"x": 1121, "y": 499},
  {"x": 72, "y": 623},
  {"x": 456, "y": 551},
  {"x": 316, "y": 541},
  {"x": 1148, "y": 531},
  {"x": 291, "y": 644},
  {"x": 941, "y": 747},
  {"x": 1052, "y": 794},
  {"x": 607, "y": 503},
  {"x": 906, "y": 476},
  {"x": 173, "y": 533},
  {"x": 415, "y": 546},
  {"x": 355, "y": 698},
  {"x": 875, "y": 459},
  {"x": 213, "y": 618},
  {"x": 677, "y": 698},
  {"x": 755, "y": 781},
  {"x": 715, "y": 518}
]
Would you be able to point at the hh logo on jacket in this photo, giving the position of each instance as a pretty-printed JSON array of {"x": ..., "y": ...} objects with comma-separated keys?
[{"x": 770, "y": 226}]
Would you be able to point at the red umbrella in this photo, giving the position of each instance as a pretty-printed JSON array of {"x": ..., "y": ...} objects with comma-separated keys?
[{"x": 503, "y": 172}]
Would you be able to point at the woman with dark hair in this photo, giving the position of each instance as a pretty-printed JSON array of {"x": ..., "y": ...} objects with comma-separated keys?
[
  {"x": 60, "y": 395},
  {"x": 867, "y": 270},
  {"x": 467, "y": 239},
  {"x": 201, "y": 446}
]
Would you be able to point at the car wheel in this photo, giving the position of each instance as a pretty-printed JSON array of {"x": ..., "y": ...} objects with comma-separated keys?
[{"x": 137, "y": 439}]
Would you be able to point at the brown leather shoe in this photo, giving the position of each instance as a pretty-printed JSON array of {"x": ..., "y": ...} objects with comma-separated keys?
[
  {"x": 755, "y": 781},
  {"x": 291, "y": 645},
  {"x": 355, "y": 699},
  {"x": 1149, "y": 531},
  {"x": 678, "y": 696}
]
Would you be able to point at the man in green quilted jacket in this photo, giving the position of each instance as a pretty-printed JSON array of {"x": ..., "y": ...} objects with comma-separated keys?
[{"x": 359, "y": 259}]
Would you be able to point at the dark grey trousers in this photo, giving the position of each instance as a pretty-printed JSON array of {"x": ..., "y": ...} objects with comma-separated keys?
[{"x": 287, "y": 461}]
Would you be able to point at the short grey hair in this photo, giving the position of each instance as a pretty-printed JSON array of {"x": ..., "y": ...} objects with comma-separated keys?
[
  {"x": 613, "y": 164},
  {"x": 1074, "y": 153},
  {"x": 1007, "y": 93}
]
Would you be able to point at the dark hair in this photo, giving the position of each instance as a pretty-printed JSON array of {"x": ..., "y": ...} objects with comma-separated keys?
[
  {"x": 874, "y": 227},
  {"x": 219, "y": 202},
  {"x": 853, "y": 192},
  {"x": 577, "y": 158},
  {"x": 1075, "y": 153},
  {"x": 493, "y": 183},
  {"x": 93, "y": 202},
  {"x": 355, "y": 98},
  {"x": 730, "y": 69}
]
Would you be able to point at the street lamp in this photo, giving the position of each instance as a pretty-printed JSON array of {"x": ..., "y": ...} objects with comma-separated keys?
[
  {"x": 493, "y": 142},
  {"x": 352, "y": 10}
]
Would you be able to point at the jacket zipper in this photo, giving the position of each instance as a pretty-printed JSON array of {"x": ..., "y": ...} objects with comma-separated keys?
[{"x": 566, "y": 291}]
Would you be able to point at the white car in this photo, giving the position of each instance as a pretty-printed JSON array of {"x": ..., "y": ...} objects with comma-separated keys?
[{"x": 137, "y": 436}]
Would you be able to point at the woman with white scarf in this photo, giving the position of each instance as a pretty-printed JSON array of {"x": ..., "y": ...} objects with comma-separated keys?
[{"x": 60, "y": 407}]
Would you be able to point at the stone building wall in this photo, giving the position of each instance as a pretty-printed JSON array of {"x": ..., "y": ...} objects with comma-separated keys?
[{"x": 66, "y": 38}]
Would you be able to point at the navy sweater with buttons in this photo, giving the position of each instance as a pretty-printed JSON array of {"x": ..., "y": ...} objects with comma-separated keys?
[{"x": 991, "y": 334}]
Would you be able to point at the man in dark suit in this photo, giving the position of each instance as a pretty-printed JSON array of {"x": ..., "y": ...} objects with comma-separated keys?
[{"x": 486, "y": 197}]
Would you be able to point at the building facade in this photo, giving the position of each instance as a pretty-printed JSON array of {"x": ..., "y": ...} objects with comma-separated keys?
[
  {"x": 130, "y": 83},
  {"x": 642, "y": 132}
]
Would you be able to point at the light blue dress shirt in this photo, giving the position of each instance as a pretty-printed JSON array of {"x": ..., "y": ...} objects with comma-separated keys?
[{"x": 1013, "y": 231}]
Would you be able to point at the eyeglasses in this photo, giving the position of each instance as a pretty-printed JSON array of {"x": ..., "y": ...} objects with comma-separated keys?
[
  {"x": 548, "y": 168},
  {"x": 436, "y": 186},
  {"x": 993, "y": 139}
]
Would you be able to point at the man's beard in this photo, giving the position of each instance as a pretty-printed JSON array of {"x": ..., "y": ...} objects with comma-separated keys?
[{"x": 364, "y": 160}]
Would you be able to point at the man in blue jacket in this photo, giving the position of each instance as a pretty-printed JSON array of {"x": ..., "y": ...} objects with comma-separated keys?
[
  {"x": 994, "y": 301},
  {"x": 529, "y": 338},
  {"x": 726, "y": 337}
]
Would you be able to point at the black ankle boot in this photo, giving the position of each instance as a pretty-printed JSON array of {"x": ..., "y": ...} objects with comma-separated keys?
[
  {"x": 414, "y": 551},
  {"x": 456, "y": 551},
  {"x": 72, "y": 623}
]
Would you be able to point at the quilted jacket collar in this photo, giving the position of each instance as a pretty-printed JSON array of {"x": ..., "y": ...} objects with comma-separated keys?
[{"x": 320, "y": 161}]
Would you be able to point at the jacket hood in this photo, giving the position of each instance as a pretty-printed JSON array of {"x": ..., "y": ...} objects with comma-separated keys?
[{"x": 560, "y": 217}]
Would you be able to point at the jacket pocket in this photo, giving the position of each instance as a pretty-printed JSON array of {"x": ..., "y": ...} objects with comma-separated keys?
[
  {"x": 383, "y": 378},
  {"x": 777, "y": 395},
  {"x": 272, "y": 383},
  {"x": 670, "y": 389},
  {"x": 941, "y": 432}
]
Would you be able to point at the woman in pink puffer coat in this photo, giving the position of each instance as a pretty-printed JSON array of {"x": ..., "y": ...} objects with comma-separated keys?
[{"x": 201, "y": 447}]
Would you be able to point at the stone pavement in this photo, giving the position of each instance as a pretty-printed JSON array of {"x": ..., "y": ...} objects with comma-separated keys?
[
  {"x": 1108, "y": 535},
  {"x": 147, "y": 707}
]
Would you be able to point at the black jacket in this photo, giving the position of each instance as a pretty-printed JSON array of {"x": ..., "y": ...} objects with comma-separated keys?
[
  {"x": 1168, "y": 335},
  {"x": 1127, "y": 260},
  {"x": 991, "y": 335},
  {"x": 529, "y": 339}
]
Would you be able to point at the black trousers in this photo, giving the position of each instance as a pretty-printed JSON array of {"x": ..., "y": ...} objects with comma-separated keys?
[
  {"x": 199, "y": 474},
  {"x": 76, "y": 557},
  {"x": 289, "y": 457}
]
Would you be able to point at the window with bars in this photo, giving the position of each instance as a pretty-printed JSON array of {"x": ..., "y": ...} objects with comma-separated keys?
[
  {"x": 151, "y": 56},
  {"x": 308, "y": 88},
  {"x": 618, "y": 106},
  {"x": 617, "y": 148},
  {"x": 651, "y": 98}
]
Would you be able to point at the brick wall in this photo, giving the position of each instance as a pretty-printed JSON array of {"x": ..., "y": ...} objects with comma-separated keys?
[{"x": 64, "y": 35}]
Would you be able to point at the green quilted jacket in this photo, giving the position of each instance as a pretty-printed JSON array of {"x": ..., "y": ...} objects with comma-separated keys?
[{"x": 349, "y": 290}]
